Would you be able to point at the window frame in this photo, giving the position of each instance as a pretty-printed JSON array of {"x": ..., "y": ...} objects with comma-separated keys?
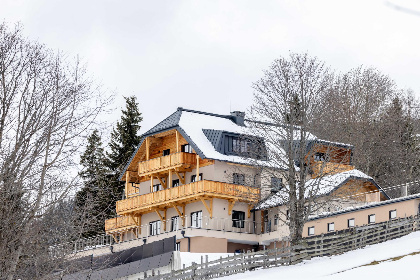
[
  {"x": 276, "y": 183},
  {"x": 198, "y": 219},
  {"x": 394, "y": 211},
  {"x": 369, "y": 219},
  {"x": 175, "y": 223},
  {"x": 187, "y": 148},
  {"x": 155, "y": 227},
  {"x": 175, "y": 182},
  {"x": 158, "y": 187},
  {"x": 238, "y": 223},
  {"x": 348, "y": 223},
  {"x": 237, "y": 178},
  {"x": 329, "y": 225},
  {"x": 309, "y": 230},
  {"x": 193, "y": 177}
]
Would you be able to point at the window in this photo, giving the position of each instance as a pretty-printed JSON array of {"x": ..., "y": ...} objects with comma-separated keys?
[
  {"x": 392, "y": 214},
  {"x": 166, "y": 152},
  {"x": 194, "y": 177},
  {"x": 287, "y": 214},
  {"x": 238, "y": 219},
  {"x": 371, "y": 219},
  {"x": 175, "y": 183},
  {"x": 276, "y": 219},
  {"x": 175, "y": 223},
  {"x": 196, "y": 218},
  {"x": 311, "y": 230},
  {"x": 320, "y": 157},
  {"x": 276, "y": 184},
  {"x": 350, "y": 223},
  {"x": 178, "y": 246},
  {"x": 186, "y": 148},
  {"x": 157, "y": 187},
  {"x": 330, "y": 227},
  {"x": 239, "y": 178},
  {"x": 154, "y": 227}
]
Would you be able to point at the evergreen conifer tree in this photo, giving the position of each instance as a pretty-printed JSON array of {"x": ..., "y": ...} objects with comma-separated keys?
[
  {"x": 90, "y": 207},
  {"x": 124, "y": 141}
]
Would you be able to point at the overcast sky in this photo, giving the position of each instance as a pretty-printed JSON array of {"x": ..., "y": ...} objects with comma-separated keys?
[{"x": 205, "y": 55}]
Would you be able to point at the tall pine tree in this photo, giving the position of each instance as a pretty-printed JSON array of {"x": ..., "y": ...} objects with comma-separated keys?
[
  {"x": 89, "y": 202},
  {"x": 124, "y": 141}
]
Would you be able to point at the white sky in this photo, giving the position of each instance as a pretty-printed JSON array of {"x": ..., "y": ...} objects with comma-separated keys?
[{"x": 205, "y": 55}]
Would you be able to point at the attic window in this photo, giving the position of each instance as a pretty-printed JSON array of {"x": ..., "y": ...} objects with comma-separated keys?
[
  {"x": 186, "y": 148},
  {"x": 320, "y": 157}
]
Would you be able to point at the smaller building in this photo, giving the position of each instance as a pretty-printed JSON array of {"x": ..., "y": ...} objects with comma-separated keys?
[{"x": 363, "y": 215}]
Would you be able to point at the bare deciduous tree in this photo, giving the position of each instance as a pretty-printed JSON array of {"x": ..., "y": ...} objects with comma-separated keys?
[
  {"x": 286, "y": 97},
  {"x": 47, "y": 104}
]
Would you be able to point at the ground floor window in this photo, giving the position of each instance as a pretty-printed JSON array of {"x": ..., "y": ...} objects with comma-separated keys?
[
  {"x": 330, "y": 227},
  {"x": 311, "y": 231},
  {"x": 350, "y": 223},
  {"x": 196, "y": 218},
  {"x": 371, "y": 219},
  {"x": 154, "y": 227},
  {"x": 392, "y": 214},
  {"x": 238, "y": 219}
]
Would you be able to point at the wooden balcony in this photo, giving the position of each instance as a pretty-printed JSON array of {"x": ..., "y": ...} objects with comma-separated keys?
[
  {"x": 120, "y": 223},
  {"x": 186, "y": 193},
  {"x": 179, "y": 159}
]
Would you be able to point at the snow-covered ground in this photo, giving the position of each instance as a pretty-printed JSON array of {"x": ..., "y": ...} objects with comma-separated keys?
[{"x": 352, "y": 265}]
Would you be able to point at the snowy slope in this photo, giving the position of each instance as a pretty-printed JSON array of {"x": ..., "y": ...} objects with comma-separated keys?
[{"x": 352, "y": 265}]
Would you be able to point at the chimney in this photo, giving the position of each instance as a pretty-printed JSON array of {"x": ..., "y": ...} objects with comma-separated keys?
[{"x": 238, "y": 117}]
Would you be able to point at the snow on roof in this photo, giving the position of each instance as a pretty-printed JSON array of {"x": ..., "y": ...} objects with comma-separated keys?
[
  {"x": 193, "y": 125},
  {"x": 317, "y": 186}
]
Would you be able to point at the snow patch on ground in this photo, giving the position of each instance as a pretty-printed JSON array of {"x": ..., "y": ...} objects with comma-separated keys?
[{"x": 352, "y": 265}]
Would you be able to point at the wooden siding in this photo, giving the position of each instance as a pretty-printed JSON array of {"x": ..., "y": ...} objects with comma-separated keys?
[
  {"x": 321, "y": 168},
  {"x": 186, "y": 193}
]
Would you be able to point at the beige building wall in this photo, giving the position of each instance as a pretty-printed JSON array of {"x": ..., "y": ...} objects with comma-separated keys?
[{"x": 404, "y": 209}]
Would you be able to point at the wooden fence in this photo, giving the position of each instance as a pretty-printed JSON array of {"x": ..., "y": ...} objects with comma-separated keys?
[{"x": 322, "y": 245}]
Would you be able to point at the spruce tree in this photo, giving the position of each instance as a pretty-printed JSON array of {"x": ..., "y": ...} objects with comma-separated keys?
[
  {"x": 89, "y": 202},
  {"x": 124, "y": 141}
]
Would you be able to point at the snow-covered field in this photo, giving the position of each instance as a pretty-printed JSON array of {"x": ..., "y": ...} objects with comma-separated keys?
[{"x": 352, "y": 265}]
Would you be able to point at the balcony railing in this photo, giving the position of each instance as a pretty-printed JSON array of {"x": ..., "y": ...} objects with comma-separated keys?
[
  {"x": 204, "y": 223},
  {"x": 119, "y": 223},
  {"x": 173, "y": 160},
  {"x": 144, "y": 202}
]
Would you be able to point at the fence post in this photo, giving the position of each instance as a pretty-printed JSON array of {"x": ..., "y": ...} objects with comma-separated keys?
[{"x": 193, "y": 270}]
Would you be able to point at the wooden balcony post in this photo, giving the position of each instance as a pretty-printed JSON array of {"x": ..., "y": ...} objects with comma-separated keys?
[
  {"x": 169, "y": 183},
  {"x": 151, "y": 183},
  {"x": 197, "y": 173},
  {"x": 127, "y": 180},
  {"x": 147, "y": 148},
  {"x": 177, "y": 140}
]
